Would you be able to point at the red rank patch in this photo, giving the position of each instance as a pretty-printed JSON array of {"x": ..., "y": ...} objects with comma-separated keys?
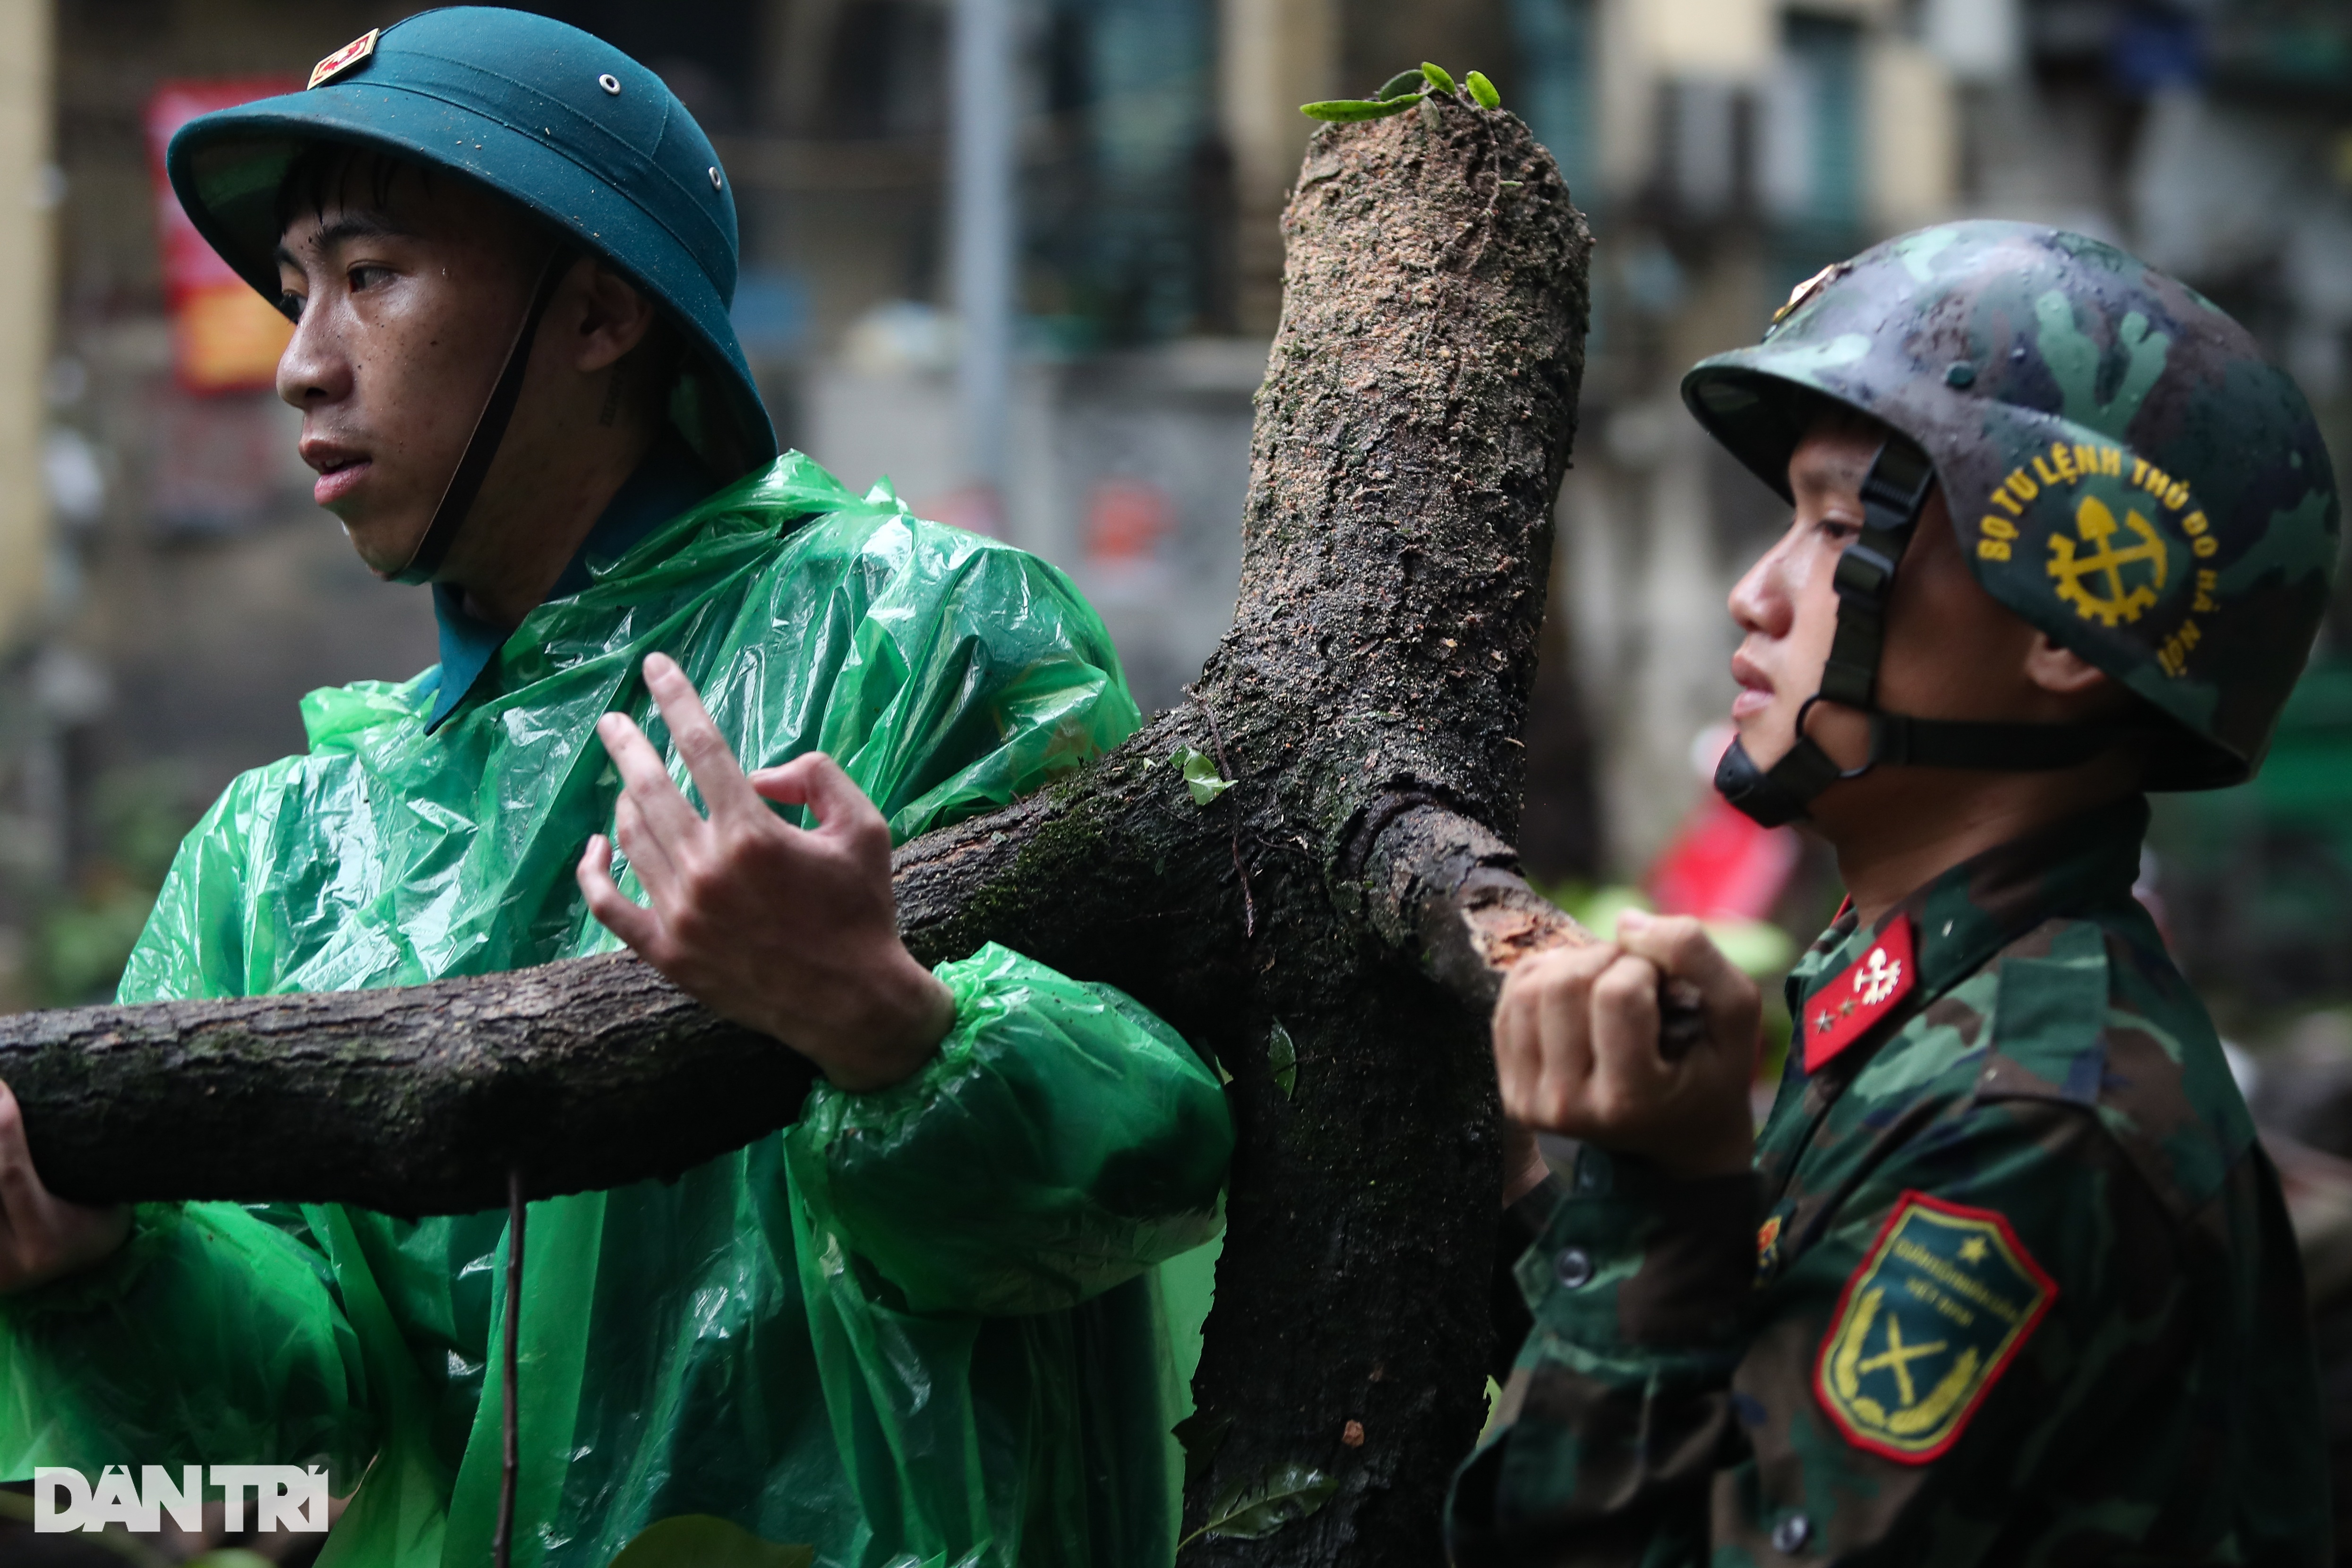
[{"x": 1842, "y": 1011}]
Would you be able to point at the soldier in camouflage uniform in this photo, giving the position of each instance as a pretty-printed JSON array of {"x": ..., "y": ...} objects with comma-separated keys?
[{"x": 2008, "y": 1279}]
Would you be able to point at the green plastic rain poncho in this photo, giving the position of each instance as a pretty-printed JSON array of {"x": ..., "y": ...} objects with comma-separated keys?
[{"x": 921, "y": 1326}]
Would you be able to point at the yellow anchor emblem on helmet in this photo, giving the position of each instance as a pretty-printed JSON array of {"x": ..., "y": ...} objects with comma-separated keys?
[{"x": 2098, "y": 527}]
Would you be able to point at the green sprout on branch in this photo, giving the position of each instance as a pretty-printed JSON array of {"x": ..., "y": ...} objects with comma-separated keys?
[{"x": 1402, "y": 91}]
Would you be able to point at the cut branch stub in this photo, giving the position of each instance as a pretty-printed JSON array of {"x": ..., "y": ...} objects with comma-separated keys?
[
  {"x": 1450, "y": 890},
  {"x": 1412, "y": 433}
]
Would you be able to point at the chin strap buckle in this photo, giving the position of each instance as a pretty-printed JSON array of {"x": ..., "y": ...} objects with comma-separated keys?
[{"x": 1893, "y": 494}]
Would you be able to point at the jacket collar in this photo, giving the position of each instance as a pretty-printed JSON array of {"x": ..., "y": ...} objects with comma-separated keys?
[
  {"x": 1960, "y": 919},
  {"x": 670, "y": 479}
]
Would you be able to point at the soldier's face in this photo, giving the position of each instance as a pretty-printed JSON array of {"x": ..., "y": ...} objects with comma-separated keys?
[
  {"x": 1952, "y": 651},
  {"x": 408, "y": 292}
]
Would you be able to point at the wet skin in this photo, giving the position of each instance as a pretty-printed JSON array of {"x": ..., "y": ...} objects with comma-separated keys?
[{"x": 407, "y": 295}]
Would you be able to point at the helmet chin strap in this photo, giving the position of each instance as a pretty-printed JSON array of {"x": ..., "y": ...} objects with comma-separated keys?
[
  {"x": 1893, "y": 495},
  {"x": 490, "y": 430}
]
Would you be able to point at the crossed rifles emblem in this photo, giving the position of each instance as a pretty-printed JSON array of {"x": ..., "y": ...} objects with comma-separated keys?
[{"x": 1898, "y": 1358}]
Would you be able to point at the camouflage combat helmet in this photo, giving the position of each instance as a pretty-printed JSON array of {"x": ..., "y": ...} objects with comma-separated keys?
[{"x": 2123, "y": 468}]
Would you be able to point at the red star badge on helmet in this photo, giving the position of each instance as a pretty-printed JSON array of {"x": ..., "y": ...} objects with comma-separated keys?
[{"x": 345, "y": 58}]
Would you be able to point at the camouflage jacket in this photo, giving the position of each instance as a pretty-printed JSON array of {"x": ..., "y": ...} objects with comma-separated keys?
[{"x": 2012, "y": 1280}]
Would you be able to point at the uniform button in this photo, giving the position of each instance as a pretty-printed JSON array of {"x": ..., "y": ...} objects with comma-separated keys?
[
  {"x": 1573, "y": 1266},
  {"x": 1791, "y": 1533}
]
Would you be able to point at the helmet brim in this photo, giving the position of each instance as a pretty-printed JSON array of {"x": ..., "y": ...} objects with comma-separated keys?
[
  {"x": 1758, "y": 416},
  {"x": 226, "y": 168}
]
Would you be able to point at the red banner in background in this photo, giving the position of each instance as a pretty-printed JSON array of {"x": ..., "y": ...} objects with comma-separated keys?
[
  {"x": 1721, "y": 866},
  {"x": 226, "y": 337}
]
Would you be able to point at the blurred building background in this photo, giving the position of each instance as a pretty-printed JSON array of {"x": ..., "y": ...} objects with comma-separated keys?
[{"x": 1040, "y": 304}]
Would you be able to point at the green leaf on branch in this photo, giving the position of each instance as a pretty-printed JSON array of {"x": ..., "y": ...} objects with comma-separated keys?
[
  {"x": 1281, "y": 1060},
  {"x": 1400, "y": 84},
  {"x": 1482, "y": 90},
  {"x": 1438, "y": 76},
  {"x": 1345, "y": 110},
  {"x": 1252, "y": 1511},
  {"x": 1201, "y": 775}
]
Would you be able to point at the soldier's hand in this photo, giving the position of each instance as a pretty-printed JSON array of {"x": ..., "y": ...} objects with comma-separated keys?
[
  {"x": 1577, "y": 1048},
  {"x": 43, "y": 1236},
  {"x": 793, "y": 932}
]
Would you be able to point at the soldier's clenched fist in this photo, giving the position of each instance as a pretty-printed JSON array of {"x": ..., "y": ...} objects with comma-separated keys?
[{"x": 1577, "y": 1047}]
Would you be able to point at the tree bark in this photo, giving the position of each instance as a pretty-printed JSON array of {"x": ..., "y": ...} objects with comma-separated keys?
[{"x": 1354, "y": 889}]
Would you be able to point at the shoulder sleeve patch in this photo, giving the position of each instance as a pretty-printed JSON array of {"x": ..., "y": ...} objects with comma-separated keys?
[{"x": 1939, "y": 1308}]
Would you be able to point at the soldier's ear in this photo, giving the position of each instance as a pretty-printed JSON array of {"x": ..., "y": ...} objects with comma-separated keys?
[
  {"x": 614, "y": 315},
  {"x": 2061, "y": 671}
]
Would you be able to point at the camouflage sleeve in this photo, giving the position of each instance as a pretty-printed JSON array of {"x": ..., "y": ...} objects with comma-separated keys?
[
  {"x": 1995, "y": 1302},
  {"x": 1522, "y": 1222},
  {"x": 1617, "y": 1410}
]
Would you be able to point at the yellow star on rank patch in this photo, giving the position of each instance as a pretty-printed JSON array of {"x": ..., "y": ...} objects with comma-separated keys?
[{"x": 1973, "y": 1250}]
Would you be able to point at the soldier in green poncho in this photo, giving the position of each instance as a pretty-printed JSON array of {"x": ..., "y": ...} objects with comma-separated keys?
[
  {"x": 924, "y": 1324},
  {"x": 2006, "y": 1277}
]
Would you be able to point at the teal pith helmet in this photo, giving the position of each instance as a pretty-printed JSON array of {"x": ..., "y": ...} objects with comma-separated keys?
[
  {"x": 581, "y": 136},
  {"x": 2125, "y": 469}
]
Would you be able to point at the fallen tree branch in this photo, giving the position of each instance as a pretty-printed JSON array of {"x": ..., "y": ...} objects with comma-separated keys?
[
  {"x": 594, "y": 1072},
  {"x": 583, "y": 1074},
  {"x": 1353, "y": 896}
]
